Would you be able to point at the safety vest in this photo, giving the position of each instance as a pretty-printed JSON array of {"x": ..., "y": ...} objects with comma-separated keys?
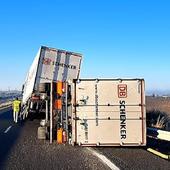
[{"x": 16, "y": 105}]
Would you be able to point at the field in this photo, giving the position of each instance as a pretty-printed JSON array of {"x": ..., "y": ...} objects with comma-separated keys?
[
  {"x": 158, "y": 112},
  {"x": 158, "y": 103}
]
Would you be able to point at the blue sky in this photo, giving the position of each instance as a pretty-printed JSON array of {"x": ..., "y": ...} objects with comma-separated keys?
[{"x": 118, "y": 38}]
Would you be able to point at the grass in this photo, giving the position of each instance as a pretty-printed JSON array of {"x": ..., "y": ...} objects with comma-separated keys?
[{"x": 158, "y": 112}]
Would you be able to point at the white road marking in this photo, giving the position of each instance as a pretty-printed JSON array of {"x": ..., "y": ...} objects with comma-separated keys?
[
  {"x": 6, "y": 131},
  {"x": 104, "y": 159}
]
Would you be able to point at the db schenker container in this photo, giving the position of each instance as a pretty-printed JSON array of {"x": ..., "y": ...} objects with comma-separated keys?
[
  {"x": 50, "y": 65},
  {"x": 109, "y": 112}
]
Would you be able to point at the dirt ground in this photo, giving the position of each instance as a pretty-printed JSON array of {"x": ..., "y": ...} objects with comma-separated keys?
[{"x": 158, "y": 103}]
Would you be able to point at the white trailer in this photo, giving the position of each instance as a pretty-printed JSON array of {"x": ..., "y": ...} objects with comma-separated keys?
[
  {"x": 89, "y": 112},
  {"x": 109, "y": 112},
  {"x": 51, "y": 65},
  {"x": 40, "y": 96}
]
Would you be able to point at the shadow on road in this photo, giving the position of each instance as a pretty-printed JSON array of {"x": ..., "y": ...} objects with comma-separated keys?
[{"x": 8, "y": 140}]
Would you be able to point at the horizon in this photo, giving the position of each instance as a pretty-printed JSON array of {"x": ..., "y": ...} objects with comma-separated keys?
[{"x": 147, "y": 92}]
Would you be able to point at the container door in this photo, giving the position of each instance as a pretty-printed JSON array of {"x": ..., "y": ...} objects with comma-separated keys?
[{"x": 110, "y": 112}]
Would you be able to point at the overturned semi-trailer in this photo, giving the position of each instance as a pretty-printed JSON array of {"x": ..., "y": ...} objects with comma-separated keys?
[
  {"x": 50, "y": 65},
  {"x": 87, "y": 112}
]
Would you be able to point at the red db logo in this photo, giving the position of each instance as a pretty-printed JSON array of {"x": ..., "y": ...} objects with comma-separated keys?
[
  {"x": 122, "y": 91},
  {"x": 47, "y": 61}
]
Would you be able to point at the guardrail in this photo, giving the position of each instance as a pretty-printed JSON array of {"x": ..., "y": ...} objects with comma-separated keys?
[
  {"x": 5, "y": 105},
  {"x": 155, "y": 152},
  {"x": 159, "y": 134},
  {"x": 163, "y": 136}
]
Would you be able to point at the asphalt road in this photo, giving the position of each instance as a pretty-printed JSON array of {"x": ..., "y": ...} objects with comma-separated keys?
[
  {"x": 134, "y": 158},
  {"x": 20, "y": 149},
  {"x": 9, "y": 132}
]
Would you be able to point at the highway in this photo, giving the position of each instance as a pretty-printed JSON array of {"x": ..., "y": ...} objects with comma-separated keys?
[{"x": 20, "y": 149}]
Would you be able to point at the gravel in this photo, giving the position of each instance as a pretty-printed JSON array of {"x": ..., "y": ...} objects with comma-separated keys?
[{"x": 31, "y": 153}]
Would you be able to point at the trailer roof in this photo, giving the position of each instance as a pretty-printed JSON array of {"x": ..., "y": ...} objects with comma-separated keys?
[
  {"x": 62, "y": 51},
  {"x": 109, "y": 79}
]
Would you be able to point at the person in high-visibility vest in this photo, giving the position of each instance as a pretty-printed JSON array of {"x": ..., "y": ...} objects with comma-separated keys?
[{"x": 16, "y": 109}]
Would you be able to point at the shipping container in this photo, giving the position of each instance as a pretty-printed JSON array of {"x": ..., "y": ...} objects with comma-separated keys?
[
  {"x": 87, "y": 112},
  {"x": 109, "y": 112},
  {"x": 51, "y": 65}
]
